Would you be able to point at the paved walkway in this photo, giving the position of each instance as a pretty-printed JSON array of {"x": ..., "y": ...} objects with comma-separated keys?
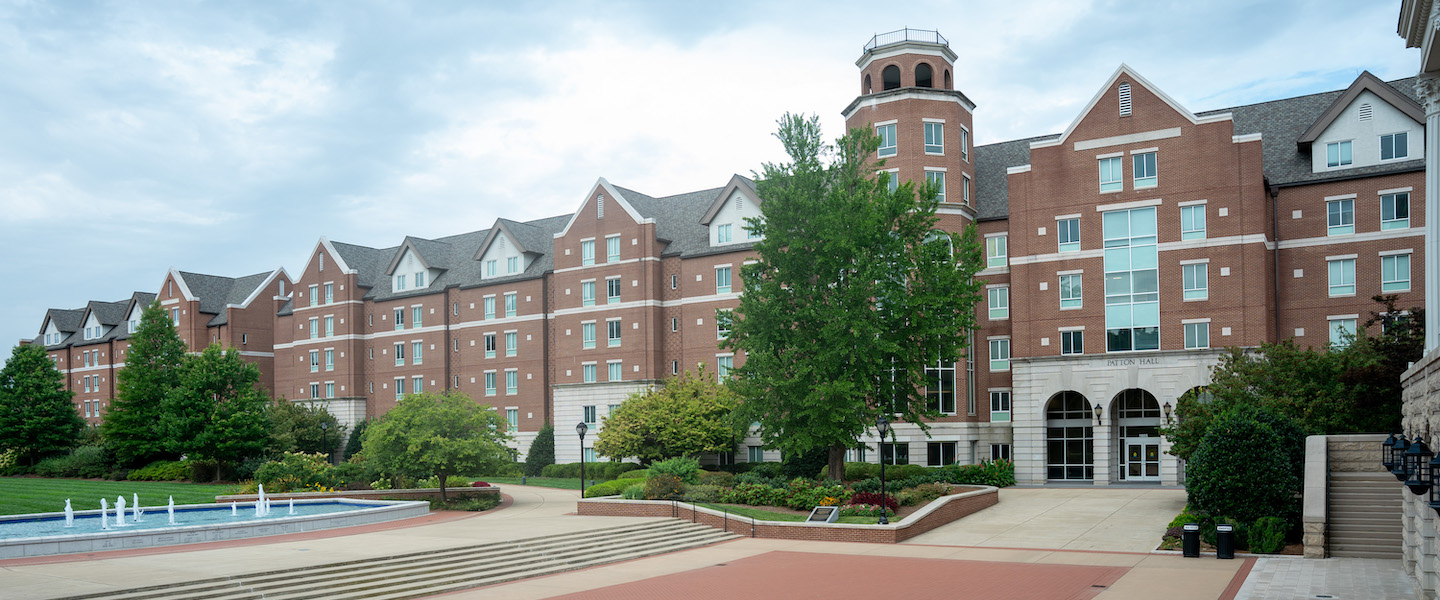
[
  {"x": 1340, "y": 578},
  {"x": 1121, "y": 519}
]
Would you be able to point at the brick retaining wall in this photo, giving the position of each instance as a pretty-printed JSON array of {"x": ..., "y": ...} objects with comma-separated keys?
[
  {"x": 409, "y": 494},
  {"x": 941, "y": 511}
]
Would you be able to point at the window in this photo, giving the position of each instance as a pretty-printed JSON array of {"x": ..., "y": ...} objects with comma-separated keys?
[
  {"x": 674, "y": 324},
  {"x": 722, "y": 324},
  {"x": 314, "y": 361},
  {"x": 512, "y": 382},
  {"x": 490, "y": 383},
  {"x": 674, "y": 281},
  {"x": 399, "y": 355},
  {"x": 612, "y": 248},
  {"x": 1144, "y": 164},
  {"x": 1111, "y": 174},
  {"x": 329, "y": 293},
  {"x": 1197, "y": 336},
  {"x": 1337, "y": 154},
  {"x": 755, "y": 454},
  {"x": 887, "y": 140},
  {"x": 996, "y": 252},
  {"x": 587, "y": 253},
  {"x": 175, "y": 317},
  {"x": 490, "y": 267},
  {"x": 724, "y": 364},
  {"x": 612, "y": 330},
  {"x": 512, "y": 343},
  {"x": 1340, "y": 216},
  {"x": 999, "y": 303},
  {"x": 939, "y": 453},
  {"x": 1395, "y": 273},
  {"x": 1342, "y": 331},
  {"x": 722, "y": 234},
  {"x": 1342, "y": 277},
  {"x": 587, "y": 335},
  {"x": 612, "y": 290},
  {"x": 674, "y": 367},
  {"x": 314, "y": 295},
  {"x": 329, "y": 390},
  {"x": 329, "y": 360},
  {"x": 892, "y": 179},
  {"x": 590, "y": 416},
  {"x": 935, "y": 138},
  {"x": 940, "y": 386},
  {"x": 999, "y": 451},
  {"x": 419, "y": 279},
  {"x": 329, "y": 326},
  {"x": 399, "y": 318},
  {"x": 417, "y": 356},
  {"x": 587, "y": 293},
  {"x": 510, "y": 305},
  {"x": 1196, "y": 285},
  {"x": 965, "y": 188},
  {"x": 937, "y": 179},
  {"x": 489, "y": 307},
  {"x": 722, "y": 280},
  {"x": 512, "y": 416},
  {"x": 1192, "y": 222},
  {"x": 1132, "y": 288},
  {"x": 964, "y": 144},
  {"x": 1072, "y": 342},
  {"x": 587, "y": 373},
  {"x": 399, "y": 388},
  {"x": 314, "y": 327},
  {"x": 399, "y": 282},
  {"x": 455, "y": 308},
  {"x": 1395, "y": 211},
  {"x": 999, "y": 406},
  {"x": 1067, "y": 231},
  {"x": 616, "y": 368},
  {"x": 1071, "y": 293},
  {"x": 1000, "y": 355},
  {"x": 489, "y": 345},
  {"x": 1394, "y": 146},
  {"x": 512, "y": 264},
  {"x": 895, "y": 454}
]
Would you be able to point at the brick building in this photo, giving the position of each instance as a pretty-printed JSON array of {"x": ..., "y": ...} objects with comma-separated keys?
[{"x": 1162, "y": 233}]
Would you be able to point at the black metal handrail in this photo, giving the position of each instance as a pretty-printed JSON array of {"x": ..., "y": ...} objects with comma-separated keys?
[{"x": 905, "y": 35}]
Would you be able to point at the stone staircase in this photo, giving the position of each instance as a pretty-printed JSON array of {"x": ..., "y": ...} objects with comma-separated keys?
[
  {"x": 1364, "y": 509},
  {"x": 439, "y": 571}
]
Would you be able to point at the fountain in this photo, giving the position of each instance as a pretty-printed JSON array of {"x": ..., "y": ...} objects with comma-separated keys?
[
  {"x": 292, "y": 506},
  {"x": 104, "y": 514},
  {"x": 171, "y": 510},
  {"x": 135, "y": 511},
  {"x": 119, "y": 511},
  {"x": 69, "y": 514},
  {"x": 233, "y": 514}
]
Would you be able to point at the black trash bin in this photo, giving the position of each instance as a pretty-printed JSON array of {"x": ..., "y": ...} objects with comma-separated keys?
[
  {"x": 1224, "y": 541},
  {"x": 1190, "y": 540}
]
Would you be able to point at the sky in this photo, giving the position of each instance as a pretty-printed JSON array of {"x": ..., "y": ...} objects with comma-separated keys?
[{"x": 227, "y": 138}]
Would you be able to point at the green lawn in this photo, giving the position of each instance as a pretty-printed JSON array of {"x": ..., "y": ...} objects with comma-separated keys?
[
  {"x": 21, "y": 495},
  {"x": 564, "y": 483},
  {"x": 761, "y": 514}
]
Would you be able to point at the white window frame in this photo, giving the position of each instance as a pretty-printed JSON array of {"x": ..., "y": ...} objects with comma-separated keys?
[
  {"x": 1192, "y": 222},
  {"x": 1195, "y": 281},
  {"x": 1391, "y": 279},
  {"x": 1112, "y": 167},
  {"x": 1343, "y": 156},
  {"x": 612, "y": 248},
  {"x": 1077, "y": 287},
  {"x": 997, "y": 251},
  {"x": 1391, "y": 202},
  {"x": 999, "y": 346},
  {"x": 998, "y": 302},
  {"x": 935, "y": 138},
  {"x": 1339, "y": 325},
  {"x": 1148, "y": 178},
  {"x": 512, "y": 343},
  {"x": 614, "y": 370},
  {"x": 723, "y": 280},
  {"x": 1340, "y": 216},
  {"x": 587, "y": 335},
  {"x": 1402, "y": 148},
  {"x": 587, "y": 252},
  {"x": 1063, "y": 230},
  {"x": 1069, "y": 347},
  {"x": 512, "y": 382},
  {"x": 1001, "y": 405},
  {"x": 490, "y": 383},
  {"x": 936, "y": 178},
  {"x": 1195, "y": 330},
  {"x": 613, "y": 330},
  {"x": 1342, "y": 276},
  {"x": 587, "y": 372},
  {"x": 888, "y": 147}
]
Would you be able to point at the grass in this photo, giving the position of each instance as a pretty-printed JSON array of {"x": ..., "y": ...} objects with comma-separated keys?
[
  {"x": 761, "y": 514},
  {"x": 563, "y": 483},
  {"x": 22, "y": 495}
]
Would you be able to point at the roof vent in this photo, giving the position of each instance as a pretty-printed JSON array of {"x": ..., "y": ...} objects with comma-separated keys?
[
  {"x": 1125, "y": 99},
  {"x": 1365, "y": 112},
  {"x": 600, "y": 206},
  {"x": 739, "y": 202}
]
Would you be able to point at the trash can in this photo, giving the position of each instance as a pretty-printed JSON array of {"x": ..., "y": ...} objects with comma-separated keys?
[
  {"x": 1190, "y": 540},
  {"x": 1224, "y": 541}
]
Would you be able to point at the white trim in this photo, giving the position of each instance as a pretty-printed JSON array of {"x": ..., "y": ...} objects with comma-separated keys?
[
  {"x": 1070, "y": 272},
  {"x": 607, "y": 264},
  {"x": 937, "y": 169},
  {"x": 339, "y": 260},
  {"x": 1342, "y": 257},
  {"x": 909, "y": 94},
  {"x": 1129, "y": 138},
  {"x": 1195, "y": 261},
  {"x": 169, "y": 302},
  {"x": 1017, "y": 169},
  {"x": 1110, "y": 155},
  {"x": 1241, "y": 139},
  {"x": 1191, "y": 202},
  {"x": 884, "y": 123},
  {"x": 259, "y": 354},
  {"x": 1190, "y": 321},
  {"x": 997, "y": 337},
  {"x": 614, "y": 195},
  {"x": 1367, "y": 236},
  {"x": 1144, "y": 150},
  {"x": 1397, "y": 252},
  {"x": 1340, "y": 197},
  {"x": 1127, "y": 205},
  {"x": 1340, "y": 317},
  {"x": 1070, "y": 328},
  {"x": 1067, "y": 217},
  {"x": 927, "y": 120},
  {"x": 184, "y": 289},
  {"x": 1395, "y": 191},
  {"x": 997, "y": 285},
  {"x": 1125, "y": 69}
]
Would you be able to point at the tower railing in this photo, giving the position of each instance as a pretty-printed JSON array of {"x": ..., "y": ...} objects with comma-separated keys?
[{"x": 906, "y": 35}]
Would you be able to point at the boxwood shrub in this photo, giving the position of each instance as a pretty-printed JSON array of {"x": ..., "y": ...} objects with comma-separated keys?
[
  {"x": 1246, "y": 467},
  {"x": 611, "y": 488}
]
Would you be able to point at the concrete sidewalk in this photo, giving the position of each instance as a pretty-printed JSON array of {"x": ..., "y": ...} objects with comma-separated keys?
[{"x": 1115, "y": 518}]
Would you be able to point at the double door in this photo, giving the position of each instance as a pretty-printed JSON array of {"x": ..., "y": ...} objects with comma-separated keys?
[{"x": 1141, "y": 458}]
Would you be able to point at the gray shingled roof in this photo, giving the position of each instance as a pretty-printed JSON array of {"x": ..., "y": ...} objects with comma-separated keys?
[
  {"x": 143, "y": 299},
  {"x": 66, "y": 320},
  {"x": 1280, "y": 124},
  {"x": 677, "y": 219},
  {"x": 240, "y": 289}
]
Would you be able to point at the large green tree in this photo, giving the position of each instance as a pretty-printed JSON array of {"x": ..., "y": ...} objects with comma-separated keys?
[
  {"x": 303, "y": 428},
  {"x": 853, "y": 293},
  {"x": 690, "y": 414},
  {"x": 216, "y": 411},
  {"x": 152, "y": 367},
  {"x": 36, "y": 416},
  {"x": 437, "y": 435},
  {"x": 542, "y": 451}
]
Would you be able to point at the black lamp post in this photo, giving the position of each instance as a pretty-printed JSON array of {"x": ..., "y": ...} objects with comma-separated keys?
[
  {"x": 1417, "y": 463},
  {"x": 1397, "y": 458},
  {"x": 581, "y": 428},
  {"x": 882, "y": 425},
  {"x": 325, "y": 435},
  {"x": 1386, "y": 448},
  {"x": 1169, "y": 411},
  {"x": 1098, "y": 410}
]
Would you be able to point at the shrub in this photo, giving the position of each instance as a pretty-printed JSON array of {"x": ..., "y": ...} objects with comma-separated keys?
[
  {"x": 664, "y": 487},
  {"x": 297, "y": 471},
  {"x": 922, "y": 493},
  {"x": 717, "y": 478},
  {"x": 702, "y": 493},
  {"x": 354, "y": 474},
  {"x": 860, "y": 470},
  {"x": 754, "y": 494},
  {"x": 474, "y": 503},
  {"x": 611, "y": 488},
  {"x": 875, "y": 499},
  {"x": 511, "y": 469},
  {"x": 1208, "y": 533},
  {"x": 757, "y": 477},
  {"x": 161, "y": 470},
  {"x": 864, "y": 510},
  {"x": 1242, "y": 468},
  {"x": 804, "y": 465},
  {"x": 634, "y": 474},
  {"x": 542, "y": 451},
  {"x": 452, "y": 481},
  {"x": 84, "y": 461},
  {"x": 804, "y": 493},
  {"x": 684, "y": 468},
  {"x": 765, "y": 469},
  {"x": 999, "y": 473},
  {"x": 634, "y": 492},
  {"x": 1267, "y": 535}
]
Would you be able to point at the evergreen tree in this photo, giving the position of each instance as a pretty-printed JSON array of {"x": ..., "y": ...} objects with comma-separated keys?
[
  {"x": 352, "y": 447},
  {"x": 217, "y": 410},
  {"x": 36, "y": 416},
  {"x": 542, "y": 451},
  {"x": 152, "y": 366},
  {"x": 303, "y": 428}
]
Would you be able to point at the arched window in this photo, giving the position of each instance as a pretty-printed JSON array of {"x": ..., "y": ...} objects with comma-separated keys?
[
  {"x": 890, "y": 77},
  {"x": 867, "y": 87},
  {"x": 1069, "y": 437},
  {"x": 923, "y": 75},
  {"x": 1137, "y": 419},
  {"x": 948, "y": 86}
]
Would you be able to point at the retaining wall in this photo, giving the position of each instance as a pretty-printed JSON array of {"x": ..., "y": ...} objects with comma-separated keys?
[{"x": 409, "y": 494}]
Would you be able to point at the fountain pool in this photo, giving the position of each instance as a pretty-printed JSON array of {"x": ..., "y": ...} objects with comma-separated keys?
[{"x": 46, "y": 533}]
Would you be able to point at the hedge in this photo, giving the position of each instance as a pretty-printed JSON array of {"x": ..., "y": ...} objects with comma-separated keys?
[{"x": 611, "y": 488}]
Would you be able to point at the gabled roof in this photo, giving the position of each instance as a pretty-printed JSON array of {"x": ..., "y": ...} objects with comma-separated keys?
[
  {"x": 527, "y": 238},
  {"x": 66, "y": 320},
  {"x": 1124, "y": 70},
  {"x": 737, "y": 182},
  {"x": 1366, "y": 82},
  {"x": 677, "y": 221},
  {"x": 614, "y": 194},
  {"x": 430, "y": 253},
  {"x": 243, "y": 291}
]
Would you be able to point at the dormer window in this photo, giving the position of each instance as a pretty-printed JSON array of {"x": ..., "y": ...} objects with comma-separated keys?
[
  {"x": 133, "y": 325},
  {"x": 419, "y": 279},
  {"x": 512, "y": 264},
  {"x": 490, "y": 267},
  {"x": 722, "y": 234},
  {"x": 399, "y": 282},
  {"x": 1393, "y": 146},
  {"x": 1337, "y": 154}
]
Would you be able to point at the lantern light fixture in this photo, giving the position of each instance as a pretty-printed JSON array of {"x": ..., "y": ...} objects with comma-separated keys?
[
  {"x": 1417, "y": 463},
  {"x": 1397, "y": 458}
]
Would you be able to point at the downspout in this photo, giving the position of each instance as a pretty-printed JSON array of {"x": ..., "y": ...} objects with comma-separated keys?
[{"x": 1275, "y": 259}]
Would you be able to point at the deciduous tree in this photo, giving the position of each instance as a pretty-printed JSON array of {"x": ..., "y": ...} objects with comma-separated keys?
[
  {"x": 690, "y": 414},
  {"x": 152, "y": 366},
  {"x": 303, "y": 428},
  {"x": 437, "y": 435},
  {"x": 217, "y": 409},
  {"x": 36, "y": 416}
]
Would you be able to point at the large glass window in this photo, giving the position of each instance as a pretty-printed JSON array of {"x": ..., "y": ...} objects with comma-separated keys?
[
  {"x": 1000, "y": 355},
  {"x": 940, "y": 386},
  {"x": 1069, "y": 437},
  {"x": 939, "y": 454},
  {"x": 1342, "y": 277},
  {"x": 887, "y": 140},
  {"x": 1071, "y": 294},
  {"x": 1196, "y": 281},
  {"x": 1068, "y": 232},
  {"x": 1111, "y": 174},
  {"x": 999, "y": 303},
  {"x": 1395, "y": 211},
  {"x": 935, "y": 138},
  {"x": 1197, "y": 336},
  {"x": 1394, "y": 145},
  {"x": 1132, "y": 298},
  {"x": 1340, "y": 216},
  {"x": 937, "y": 179},
  {"x": 1337, "y": 154},
  {"x": 1144, "y": 164},
  {"x": 1192, "y": 222},
  {"x": 996, "y": 252},
  {"x": 895, "y": 454},
  {"x": 1395, "y": 273}
]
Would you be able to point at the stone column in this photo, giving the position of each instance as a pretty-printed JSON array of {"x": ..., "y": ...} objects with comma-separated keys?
[
  {"x": 1428, "y": 89},
  {"x": 1101, "y": 452}
]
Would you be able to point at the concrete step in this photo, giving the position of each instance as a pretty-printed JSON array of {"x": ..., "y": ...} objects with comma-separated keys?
[
  {"x": 1355, "y": 550},
  {"x": 1376, "y": 523},
  {"x": 433, "y": 572}
]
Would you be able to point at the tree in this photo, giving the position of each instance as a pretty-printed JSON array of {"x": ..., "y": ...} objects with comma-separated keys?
[
  {"x": 690, "y": 414},
  {"x": 352, "y": 447},
  {"x": 853, "y": 293},
  {"x": 303, "y": 428},
  {"x": 542, "y": 451},
  {"x": 152, "y": 365},
  {"x": 36, "y": 416},
  {"x": 217, "y": 409},
  {"x": 438, "y": 435},
  {"x": 1243, "y": 467}
]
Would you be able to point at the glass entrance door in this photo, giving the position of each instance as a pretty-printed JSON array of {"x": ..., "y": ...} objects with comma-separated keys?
[{"x": 1142, "y": 459}]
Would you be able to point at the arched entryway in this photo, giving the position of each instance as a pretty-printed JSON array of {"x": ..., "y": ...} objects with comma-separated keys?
[
  {"x": 1069, "y": 437},
  {"x": 1137, "y": 430}
]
